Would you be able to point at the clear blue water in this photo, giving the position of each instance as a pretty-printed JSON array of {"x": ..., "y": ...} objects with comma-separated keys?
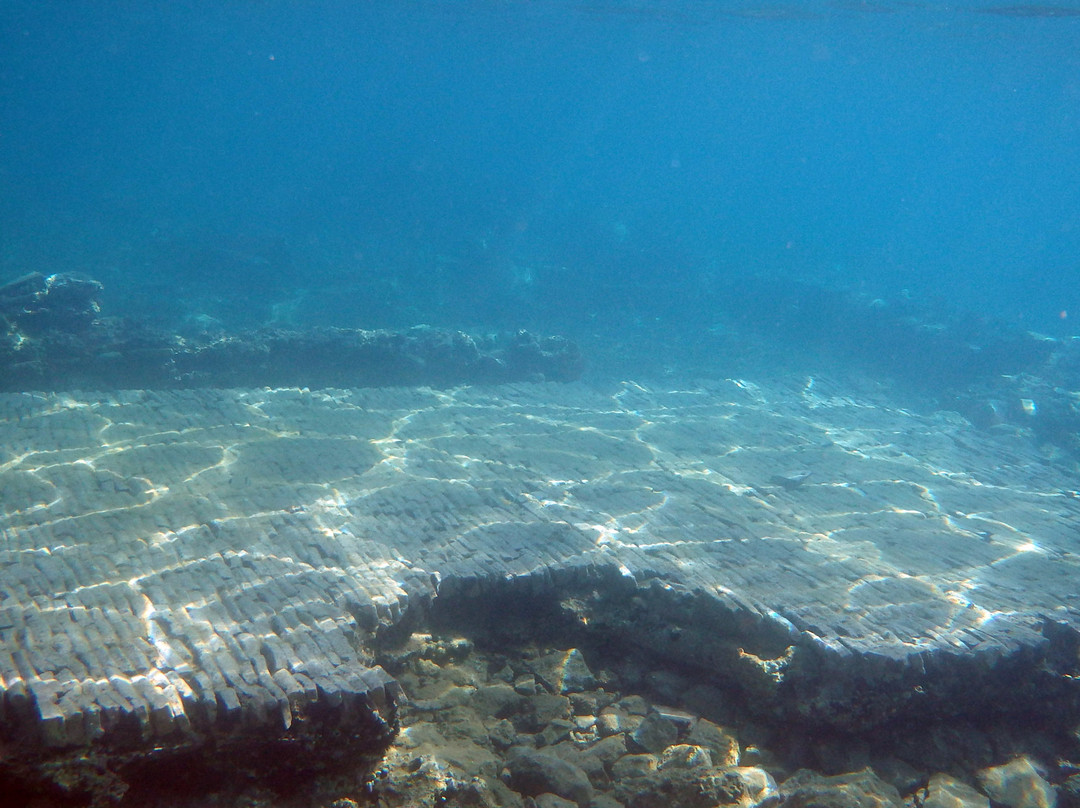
[{"x": 562, "y": 166}]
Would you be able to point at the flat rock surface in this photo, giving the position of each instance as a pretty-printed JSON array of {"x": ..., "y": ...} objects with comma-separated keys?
[{"x": 185, "y": 556}]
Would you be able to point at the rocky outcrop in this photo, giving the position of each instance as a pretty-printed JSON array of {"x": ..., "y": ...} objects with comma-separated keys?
[{"x": 56, "y": 339}]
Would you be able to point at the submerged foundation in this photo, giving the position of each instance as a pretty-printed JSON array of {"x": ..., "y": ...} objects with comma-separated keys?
[{"x": 220, "y": 573}]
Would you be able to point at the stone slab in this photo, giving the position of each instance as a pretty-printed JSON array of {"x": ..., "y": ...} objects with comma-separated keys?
[{"x": 176, "y": 562}]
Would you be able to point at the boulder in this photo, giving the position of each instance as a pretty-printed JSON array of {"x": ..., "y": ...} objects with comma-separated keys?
[
  {"x": 655, "y": 734},
  {"x": 722, "y": 743},
  {"x": 944, "y": 791},
  {"x": 861, "y": 789},
  {"x": 531, "y": 773},
  {"x": 1017, "y": 784}
]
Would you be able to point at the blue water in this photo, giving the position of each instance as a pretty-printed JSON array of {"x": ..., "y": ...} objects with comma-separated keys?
[{"x": 582, "y": 167}]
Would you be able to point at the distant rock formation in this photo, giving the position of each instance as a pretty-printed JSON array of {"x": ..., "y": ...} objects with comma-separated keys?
[{"x": 56, "y": 339}]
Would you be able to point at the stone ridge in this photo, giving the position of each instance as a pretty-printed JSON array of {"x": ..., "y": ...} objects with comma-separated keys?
[{"x": 178, "y": 564}]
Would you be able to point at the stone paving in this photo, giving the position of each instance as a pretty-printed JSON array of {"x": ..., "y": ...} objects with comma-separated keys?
[{"x": 171, "y": 562}]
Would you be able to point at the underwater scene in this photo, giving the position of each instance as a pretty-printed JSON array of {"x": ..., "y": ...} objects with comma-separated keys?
[{"x": 539, "y": 404}]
